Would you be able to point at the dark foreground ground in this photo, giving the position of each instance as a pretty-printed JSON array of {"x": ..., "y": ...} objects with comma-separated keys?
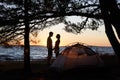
[{"x": 13, "y": 70}]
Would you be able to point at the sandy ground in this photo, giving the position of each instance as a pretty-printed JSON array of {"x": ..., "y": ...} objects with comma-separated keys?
[{"x": 13, "y": 70}]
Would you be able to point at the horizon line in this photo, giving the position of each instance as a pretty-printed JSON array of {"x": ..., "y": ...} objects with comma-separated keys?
[{"x": 61, "y": 46}]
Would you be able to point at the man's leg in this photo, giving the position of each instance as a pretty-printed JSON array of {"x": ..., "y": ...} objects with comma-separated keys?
[{"x": 49, "y": 56}]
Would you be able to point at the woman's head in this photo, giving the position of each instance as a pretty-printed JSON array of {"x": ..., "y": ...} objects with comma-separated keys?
[{"x": 58, "y": 36}]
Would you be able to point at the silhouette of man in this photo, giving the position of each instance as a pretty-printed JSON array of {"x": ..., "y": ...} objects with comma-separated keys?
[
  {"x": 49, "y": 47},
  {"x": 57, "y": 45}
]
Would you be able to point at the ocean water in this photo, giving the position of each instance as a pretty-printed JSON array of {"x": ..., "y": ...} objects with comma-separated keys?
[{"x": 16, "y": 53}]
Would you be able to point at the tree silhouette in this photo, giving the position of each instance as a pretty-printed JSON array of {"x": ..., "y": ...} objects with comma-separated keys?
[
  {"x": 18, "y": 20},
  {"x": 111, "y": 16},
  {"x": 27, "y": 67}
]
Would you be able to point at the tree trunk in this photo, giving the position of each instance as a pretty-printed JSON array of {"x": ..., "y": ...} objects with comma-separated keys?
[
  {"x": 108, "y": 27},
  {"x": 27, "y": 66},
  {"x": 115, "y": 16}
]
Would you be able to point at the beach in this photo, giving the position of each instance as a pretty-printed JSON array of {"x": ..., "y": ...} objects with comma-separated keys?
[{"x": 13, "y": 70}]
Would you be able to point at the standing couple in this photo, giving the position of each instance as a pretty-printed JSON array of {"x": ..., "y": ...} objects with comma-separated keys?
[{"x": 50, "y": 47}]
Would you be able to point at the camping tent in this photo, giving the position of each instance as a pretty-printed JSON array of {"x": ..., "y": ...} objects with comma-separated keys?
[{"x": 75, "y": 56}]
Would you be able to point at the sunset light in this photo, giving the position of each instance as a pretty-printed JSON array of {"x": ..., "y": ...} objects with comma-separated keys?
[{"x": 88, "y": 37}]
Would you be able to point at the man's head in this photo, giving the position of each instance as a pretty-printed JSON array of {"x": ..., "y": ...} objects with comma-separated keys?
[{"x": 50, "y": 34}]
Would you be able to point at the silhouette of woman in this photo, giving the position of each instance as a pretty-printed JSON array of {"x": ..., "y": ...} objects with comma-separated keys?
[{"x": 56, "y": 49}]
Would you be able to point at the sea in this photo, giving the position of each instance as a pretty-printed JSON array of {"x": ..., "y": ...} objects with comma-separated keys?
[{"x": 16, "y": 53}]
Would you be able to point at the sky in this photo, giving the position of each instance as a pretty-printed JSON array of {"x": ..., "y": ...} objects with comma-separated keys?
[{"x": 87, "y": 37}]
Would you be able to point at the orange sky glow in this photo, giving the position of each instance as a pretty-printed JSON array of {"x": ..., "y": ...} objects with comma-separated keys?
[{"x": 88, "y": 37}]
